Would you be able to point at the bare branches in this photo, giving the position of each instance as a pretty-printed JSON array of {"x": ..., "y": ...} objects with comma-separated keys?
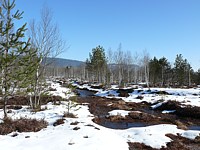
[
  {"x": 145, "y": 60},
  {"x": 128, "y": 68},
  {"x": 46, "y": 39},
  {"x": 45, "y": 35}
]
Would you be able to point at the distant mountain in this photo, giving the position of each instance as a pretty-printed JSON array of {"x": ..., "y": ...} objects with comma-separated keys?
[{"x": 61, "y": 62}]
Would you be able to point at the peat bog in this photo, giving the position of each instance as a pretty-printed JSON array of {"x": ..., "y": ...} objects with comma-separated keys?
[{"x": 141, "y": 114}]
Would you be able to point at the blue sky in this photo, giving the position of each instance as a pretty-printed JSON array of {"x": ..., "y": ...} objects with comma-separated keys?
[{"x": 162, "y": 27}]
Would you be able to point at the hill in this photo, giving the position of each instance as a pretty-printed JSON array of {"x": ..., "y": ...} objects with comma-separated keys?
[{"x": 61, "y": 62}]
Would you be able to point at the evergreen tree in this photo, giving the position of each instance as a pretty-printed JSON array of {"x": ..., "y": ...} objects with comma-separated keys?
[
  {"x": 165, "y": 69},
  {"x": 154, "y": 70},
  {"x": 180, "y": 69},
  {"x": 97, "y": 64},
  {"x": 196, "y": 77},
  {"x": 12, "y": 50},
  {"x": 159, "y": 70}
]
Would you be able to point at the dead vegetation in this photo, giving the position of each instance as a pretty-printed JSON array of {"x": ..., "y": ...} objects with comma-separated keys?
[
  {"x": 16, "y": 102},
  {"x": 21, "y": 125},
  {"x": 178, "y": 143},
  {"x": 9, "y": 125},
  {"x": 186, "y": 112},
  {"x": 139, "y": 146},
  {"x": 142, "y": 112},
  {"x": 69, "y": 115},
  {"x": 59, "y": 122}
]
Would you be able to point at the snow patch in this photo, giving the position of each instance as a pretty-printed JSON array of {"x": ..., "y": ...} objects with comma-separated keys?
[{"x": 122, "y": 113}]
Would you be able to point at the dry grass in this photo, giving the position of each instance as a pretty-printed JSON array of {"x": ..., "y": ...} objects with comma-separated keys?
[
  {"x": 21, "y": 125},
  {"x": 24, "y": 100},
  {"x": 182, "y": 143},
  {"x": 69, "y": 115},
  {"x": 59, "y": 122},
  {"x": 180, "y": 125},
  {"x": 139, "y": 146},
  {"x": 74, "y": 123}
]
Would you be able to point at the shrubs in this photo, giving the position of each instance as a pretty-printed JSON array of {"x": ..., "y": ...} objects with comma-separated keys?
[
  {"x": 69, "y": 115},
  {"x": 169, "y": 105},
  {"x": 15, "y": 107},
  {"x": 59, "y": 122},
  {"x": 70, "y": 86},
  {"x": 73, "y": 98},
  {"x": 17, "y": 100},
  {"x": 21, "y": 125},
  {"x": 24, "y": 100},
  {"x": 74, "y": 123},
  {"x": 189, "y": 111},
  {"x": 186, "y": 111},
  {"x": 124, "y": 92},
  {"x": 138, "y": 146}
]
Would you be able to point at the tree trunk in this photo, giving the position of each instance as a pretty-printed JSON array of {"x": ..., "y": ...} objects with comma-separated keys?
[
  {"x": 162, "y": 77},
  {"x": 146, "y": 75},
  {"x": 189, "y": 79},
  {"x": 5, "y": 106}
]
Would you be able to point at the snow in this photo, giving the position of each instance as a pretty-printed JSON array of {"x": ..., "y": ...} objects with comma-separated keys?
[
  {"x": 60, "y": 91},
  {"x": 91, "y": 136},
  {"x": 86, "y": 86},
  {"x": 122, "y": 113},
  {"x": 152, "y": 135},
  {"x": 190, "y": 134},
  {"x": 168, "y": 111},
  {"x": 156, "y": 105},
  {"x": 185, "y": 96},
  {"x": 63, "y": 136}
]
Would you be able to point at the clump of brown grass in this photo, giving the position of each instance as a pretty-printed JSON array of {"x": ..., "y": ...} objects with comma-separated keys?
[
  {"x": 74, "y": 123},
  {"x": 139, "y": 146},
  {"x": 21, "y": 125},
  {"x": 180, "y": 125},
  {"x": 69, "y": 115},
  {"x": 197, "y": 139},
  {"x": 59, "y": 122}
]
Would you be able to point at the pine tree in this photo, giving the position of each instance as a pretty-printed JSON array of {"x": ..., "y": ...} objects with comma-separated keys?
[
  {"x": 97, "y": 64},
  {"x": 180, "y": 69},
  {"x": 159, "y": 70},
  {"x": 12, "y": 50},
  {"x": 154, "y": 70}
]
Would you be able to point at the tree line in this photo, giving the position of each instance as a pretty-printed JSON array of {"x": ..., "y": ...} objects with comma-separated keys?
[{"x": 122, "y": 68}]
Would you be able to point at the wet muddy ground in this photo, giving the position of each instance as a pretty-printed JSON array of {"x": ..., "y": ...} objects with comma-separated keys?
[{"x": 141, "y": 114}]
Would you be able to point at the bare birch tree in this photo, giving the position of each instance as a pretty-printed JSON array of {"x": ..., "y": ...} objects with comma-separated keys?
[
  {"x": 45, "y": 37},
  {"x": 110, "y": 57},
  {"x": 136, "y": 66},
  {"x": 145, "y": 60},
  {"x": 119, "y": 55},
  {"x": 129, "y": 63}
]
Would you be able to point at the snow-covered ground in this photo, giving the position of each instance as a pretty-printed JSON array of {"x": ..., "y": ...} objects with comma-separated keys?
[
  {"x": 184, "y": 96},
  {"x": 89, "y": 135}
]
